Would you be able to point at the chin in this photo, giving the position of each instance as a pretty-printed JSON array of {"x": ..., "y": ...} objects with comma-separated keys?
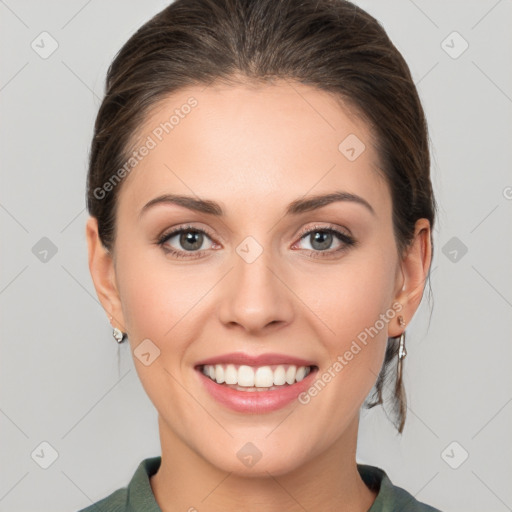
[{"x": 251, "y": 462}]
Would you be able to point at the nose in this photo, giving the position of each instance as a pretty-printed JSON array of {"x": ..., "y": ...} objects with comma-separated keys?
[{"x": 255, "y": 296}]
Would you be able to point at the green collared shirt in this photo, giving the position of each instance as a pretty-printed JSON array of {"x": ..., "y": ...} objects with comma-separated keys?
[{"x": 138, "y": 495}]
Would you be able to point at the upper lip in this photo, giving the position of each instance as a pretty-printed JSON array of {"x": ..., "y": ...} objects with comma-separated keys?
[{"x": 241, "y": 358}]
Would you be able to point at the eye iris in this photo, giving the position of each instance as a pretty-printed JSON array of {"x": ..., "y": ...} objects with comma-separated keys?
[
  {"x": 324, "y": 238},
  {"x": 193, "y": 237}
]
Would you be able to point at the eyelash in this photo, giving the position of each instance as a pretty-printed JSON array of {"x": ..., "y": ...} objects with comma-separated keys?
[{"x": 347, "y": 240}]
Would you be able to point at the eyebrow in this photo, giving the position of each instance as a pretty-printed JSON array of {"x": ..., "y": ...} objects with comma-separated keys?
[{"x": 294, "y": 208}]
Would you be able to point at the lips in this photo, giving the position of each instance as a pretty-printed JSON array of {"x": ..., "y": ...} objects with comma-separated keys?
[
  {"x": 240, "y": 358},
  {"x": 268, "y": 381},
  {"x": 255, "y": 400}
]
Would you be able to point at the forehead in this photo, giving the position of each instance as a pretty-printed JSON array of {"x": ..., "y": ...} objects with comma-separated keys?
[{"x": 266, "y": 143}]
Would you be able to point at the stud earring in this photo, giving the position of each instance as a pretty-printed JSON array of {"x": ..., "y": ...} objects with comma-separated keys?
[{"x": 117, "y": 333}]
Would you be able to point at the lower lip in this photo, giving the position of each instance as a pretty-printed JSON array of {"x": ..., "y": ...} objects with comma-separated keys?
[{"x": 256, "y": 402}]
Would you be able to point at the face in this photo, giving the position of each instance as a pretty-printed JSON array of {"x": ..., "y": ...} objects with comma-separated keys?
[{"x": 253, "y": 267}]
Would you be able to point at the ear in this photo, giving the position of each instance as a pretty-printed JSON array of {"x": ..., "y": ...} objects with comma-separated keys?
[
  {"x": 102, "y": 269},
  {"x": 412, "y": 274}
]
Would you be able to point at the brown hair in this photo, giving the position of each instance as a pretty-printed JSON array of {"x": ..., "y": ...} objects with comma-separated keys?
[{"x": 332, "y": 45}]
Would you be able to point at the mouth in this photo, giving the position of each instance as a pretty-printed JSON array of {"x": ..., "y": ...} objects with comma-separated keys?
[
  {"x": 247, "y": 378},
  {"x": 257, "y": 384}
]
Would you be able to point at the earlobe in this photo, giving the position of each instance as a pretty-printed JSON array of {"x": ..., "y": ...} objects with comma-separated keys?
[
  {"x": 413, "y": 273},
  {"x": 101, "y": 267}
]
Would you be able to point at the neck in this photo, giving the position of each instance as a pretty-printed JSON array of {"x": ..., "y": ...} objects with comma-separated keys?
[{"x": 330, "y": 482}]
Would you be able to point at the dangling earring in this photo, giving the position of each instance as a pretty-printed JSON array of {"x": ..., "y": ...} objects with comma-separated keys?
[
  {"x": 117, "y": 333},
  {"x": 401, "y": 348},
  {"x": 399, "y": 387}
]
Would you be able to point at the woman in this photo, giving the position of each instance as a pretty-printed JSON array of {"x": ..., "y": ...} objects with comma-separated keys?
[{"x": 261, "y": 234}]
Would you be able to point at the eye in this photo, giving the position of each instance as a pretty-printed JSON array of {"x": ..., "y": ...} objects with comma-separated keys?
[
  {"x": 190, "y": 242},
  {"x": 321, "y": 239},
  {"x": 183, "y": 240}
]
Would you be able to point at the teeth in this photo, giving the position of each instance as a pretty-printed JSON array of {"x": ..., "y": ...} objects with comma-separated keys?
[
  {"x": 290, "y": 374},
  {"x": 279, "y": 376},
  {"x": 256, "y": 377},
  {"x": 246, "y": 376},
  {"x": 301, "y": 373},
  {"x": 219, "y": 373},
  {"x": 263, "y": 378},
  {"x": 231, "y": 375}
]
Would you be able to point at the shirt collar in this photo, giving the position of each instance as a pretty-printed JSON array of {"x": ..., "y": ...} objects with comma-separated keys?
[{"x": 141, "y": 497}]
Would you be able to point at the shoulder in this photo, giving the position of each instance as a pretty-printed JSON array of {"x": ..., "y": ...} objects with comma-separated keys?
[
  {"x": 137, "y": 495},
  {"x": 115, "y": 502},
  {"x": 408, "y": 502},
  {"x": 390, "y": 497}
]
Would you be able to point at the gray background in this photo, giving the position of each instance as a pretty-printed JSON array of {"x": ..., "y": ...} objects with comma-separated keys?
[{"x": 60, "y": 382}]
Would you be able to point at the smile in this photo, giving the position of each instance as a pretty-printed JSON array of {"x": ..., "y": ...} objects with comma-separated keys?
[{"x": 255, "y": 389}]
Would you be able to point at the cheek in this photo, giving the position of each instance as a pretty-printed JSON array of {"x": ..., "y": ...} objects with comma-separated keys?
[
  {"x": 363, "y": 295},
  {"x": 351, "y": 297},
  {"x": 356, "y": 305},
  {"x": 158, "y": 302},
  {"x": 155, "y": 297}
]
